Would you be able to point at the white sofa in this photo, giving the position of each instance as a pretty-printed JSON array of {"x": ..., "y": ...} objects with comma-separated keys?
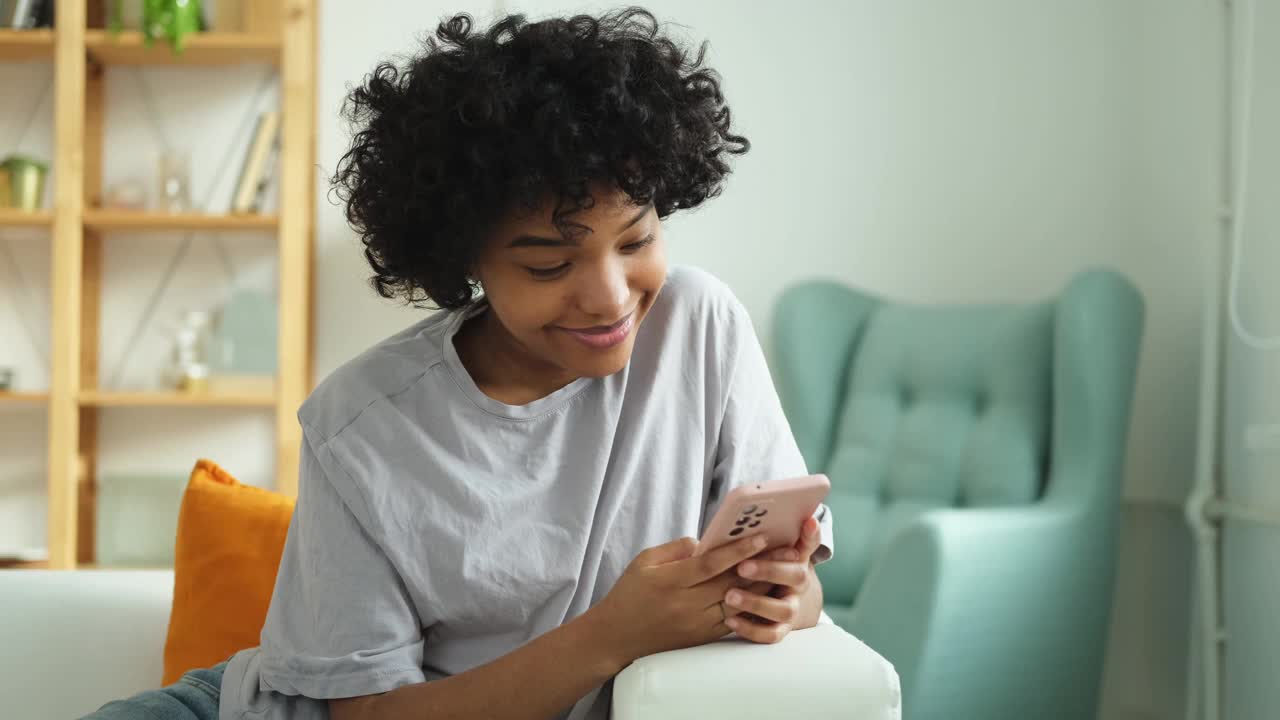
[{"x": 70, "y": 641}]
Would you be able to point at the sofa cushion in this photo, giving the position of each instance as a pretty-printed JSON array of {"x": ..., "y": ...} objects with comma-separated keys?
[{"x": 230, "y": 537}]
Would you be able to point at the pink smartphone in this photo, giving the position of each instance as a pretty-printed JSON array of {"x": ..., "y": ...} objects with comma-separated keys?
[{"x": 776, "y": 509}]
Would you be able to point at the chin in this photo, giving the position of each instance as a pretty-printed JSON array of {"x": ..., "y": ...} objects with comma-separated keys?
[
  {"x": 604, "y": 367},
  {"x": 604, "y": 363}
]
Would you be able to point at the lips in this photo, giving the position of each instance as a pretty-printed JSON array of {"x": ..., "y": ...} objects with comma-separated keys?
[{"x": 602, "y": 337}]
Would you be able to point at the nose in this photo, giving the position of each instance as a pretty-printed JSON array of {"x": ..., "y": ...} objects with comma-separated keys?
[{"x": 605, "y": 294}]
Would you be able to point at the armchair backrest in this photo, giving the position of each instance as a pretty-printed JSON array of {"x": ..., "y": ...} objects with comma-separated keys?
[{"x": 910, "y": 408}]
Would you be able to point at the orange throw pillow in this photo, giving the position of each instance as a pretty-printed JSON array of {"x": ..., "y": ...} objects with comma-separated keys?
[{"x": 230, "y": 537}]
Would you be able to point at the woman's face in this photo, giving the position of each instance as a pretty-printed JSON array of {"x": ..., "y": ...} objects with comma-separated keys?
[{"x": 573, "y": 302}]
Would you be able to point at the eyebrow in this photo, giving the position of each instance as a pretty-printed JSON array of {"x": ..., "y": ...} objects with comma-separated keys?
[{"x": 523, "y": 241}]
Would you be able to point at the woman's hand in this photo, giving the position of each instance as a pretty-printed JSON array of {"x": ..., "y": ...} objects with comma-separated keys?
[
  {"x": 668, "y": 599},
  {"x": 793, "y": 603}
]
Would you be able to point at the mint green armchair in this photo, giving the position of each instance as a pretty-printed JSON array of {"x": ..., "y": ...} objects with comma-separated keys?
[{"x": 975, "y": 458}]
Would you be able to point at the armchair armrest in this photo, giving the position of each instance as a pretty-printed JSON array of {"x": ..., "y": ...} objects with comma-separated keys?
[
  {"x": 993, "y": 613},
  {"x": 818, "y": 673}
]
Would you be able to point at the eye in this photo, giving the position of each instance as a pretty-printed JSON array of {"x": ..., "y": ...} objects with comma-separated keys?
[
  {"x": 548, "y": 273},
  {"x": 638, "y": 245}
]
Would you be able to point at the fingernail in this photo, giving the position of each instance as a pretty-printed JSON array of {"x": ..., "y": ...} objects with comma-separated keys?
[
  {"x": 758, "y": 542},
  {"x": 732, "y": 623},
  {"x": 734, "y": 597},
  {"x": 792, "y": 555},
  {"x": 748, "y": 569}
]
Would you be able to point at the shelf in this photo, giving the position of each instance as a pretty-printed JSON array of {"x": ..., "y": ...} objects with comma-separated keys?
[
  {"x": 23, "y": 398},
  {"x": 25, "y": 45},
  {"x": 123, "y": 568},
  {"x": 135, "y": 220},
  {"x": 96, "y": 398},
  {"x": 212, "y": 48},
  {"x": 10, "y": 217}
]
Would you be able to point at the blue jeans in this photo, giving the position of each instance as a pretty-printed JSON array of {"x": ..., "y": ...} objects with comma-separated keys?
[{"x": 194, "y": 697}]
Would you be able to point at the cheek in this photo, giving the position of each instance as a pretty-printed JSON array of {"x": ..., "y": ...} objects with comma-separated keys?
[
  {"x": 651, "y": 274},
  {"x": 529, "y": 311}
]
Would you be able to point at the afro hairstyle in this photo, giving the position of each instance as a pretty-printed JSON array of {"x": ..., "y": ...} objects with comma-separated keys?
[{"x": 480, "y": 124}]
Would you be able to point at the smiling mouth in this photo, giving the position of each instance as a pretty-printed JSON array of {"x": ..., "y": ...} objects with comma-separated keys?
[
  {"x": 601, "y": 329},
  {"x": 603, "y": 337}
]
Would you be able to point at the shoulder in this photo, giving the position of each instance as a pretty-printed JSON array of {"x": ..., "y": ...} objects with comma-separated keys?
[
  {"x": 699, "y": 296},
  {"x": 696, "y": 321},
  {"x": 383, "y": 370}
]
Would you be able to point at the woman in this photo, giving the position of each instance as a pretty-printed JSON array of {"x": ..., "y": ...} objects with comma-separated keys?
[{"x": 488, "y": 499}]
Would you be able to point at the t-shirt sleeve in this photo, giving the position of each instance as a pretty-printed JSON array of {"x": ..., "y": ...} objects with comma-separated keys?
[
  {"x": 755, "y": 442},
  {"x": 340, "y": 623}
]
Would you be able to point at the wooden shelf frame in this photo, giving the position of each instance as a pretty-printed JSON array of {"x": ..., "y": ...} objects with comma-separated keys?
[
  {"x": 11, "y": 218},
  {"x": 208, "y": 48},
  {"x": 80, "y": 55},
  {"x": 104, "y": 221},
  {"x": 8, "y": 397},
  {"x": 26, "y": 45},
  {"x": 98, "y": 399}
]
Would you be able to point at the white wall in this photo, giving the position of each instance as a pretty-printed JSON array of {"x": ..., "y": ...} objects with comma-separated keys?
[{"x": 930, "y": 151}]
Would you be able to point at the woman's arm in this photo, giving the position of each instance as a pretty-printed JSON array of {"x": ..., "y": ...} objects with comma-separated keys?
[{"x": 534, "y": 682}]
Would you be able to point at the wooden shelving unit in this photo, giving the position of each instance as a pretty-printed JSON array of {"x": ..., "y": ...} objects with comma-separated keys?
[
  {"x": 127, "y": 221},
  {"x": 129, "y": 48},
  {"x": 95, "y": 399},
  {"x": 23, "y": 398},
  {"x": 26, "y": 45},
  {"x": 17, "y": 218},
  {"x": 81, "y": 51}
]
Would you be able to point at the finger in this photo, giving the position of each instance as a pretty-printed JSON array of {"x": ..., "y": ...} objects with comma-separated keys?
[
  {"x": 760, "y": 587},
  {"x": 713, "y": 590},
  {"x": 716, "y": 616},
  {"x": 678, "y": 549},
  {"x": 791, "y": 574},
  {"x": 810, "y": 538},
  {"x": 704, "y": 567},
  {"x": 779, "y": 610},
  {"x": 764, "y": 633},
  {"x": 782, "y": 553}
]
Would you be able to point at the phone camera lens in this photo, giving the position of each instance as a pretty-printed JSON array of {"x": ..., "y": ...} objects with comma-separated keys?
[
  {"x": 757, "y": 522},
  {"x": 736, "y": 531},
  {"x": 749, "y": 509}
]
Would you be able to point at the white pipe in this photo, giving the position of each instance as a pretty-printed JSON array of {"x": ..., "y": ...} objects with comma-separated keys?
[
  {"x": 1205, "y": 490},
  {"x": 1205, "y": 533}
]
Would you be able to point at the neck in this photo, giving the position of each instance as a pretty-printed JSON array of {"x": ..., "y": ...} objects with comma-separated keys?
[{"x": 502, "y": 367}]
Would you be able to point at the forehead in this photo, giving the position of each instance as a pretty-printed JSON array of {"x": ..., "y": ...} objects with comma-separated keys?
[
  {"x": 611, "y": 212},
  {"x": 606, "y": 204}
]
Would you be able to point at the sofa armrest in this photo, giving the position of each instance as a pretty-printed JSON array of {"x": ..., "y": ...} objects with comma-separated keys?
[
  {"x": 818, "y": 673},
  {"x": 70, "y": 641},
  {"x": 962, "y": 600}
]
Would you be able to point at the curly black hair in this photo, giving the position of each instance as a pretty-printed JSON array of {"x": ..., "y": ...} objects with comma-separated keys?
[{"x": 480, "y": 124}]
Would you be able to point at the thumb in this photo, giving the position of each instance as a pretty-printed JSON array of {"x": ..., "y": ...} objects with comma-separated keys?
[
  {"x": 678, "y": 549},
  {"x": 810, "y": 538}
]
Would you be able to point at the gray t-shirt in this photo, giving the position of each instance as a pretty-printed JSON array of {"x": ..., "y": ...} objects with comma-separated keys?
[{"x": 438, "y": 529}]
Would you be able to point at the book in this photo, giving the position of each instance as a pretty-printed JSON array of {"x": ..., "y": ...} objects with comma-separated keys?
[
  {"x": 265, "y": 177},
  {"x": 26, "y": 14},
  {"x": 257, "y": 162},
  {"x": 18, "y": 14}
]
